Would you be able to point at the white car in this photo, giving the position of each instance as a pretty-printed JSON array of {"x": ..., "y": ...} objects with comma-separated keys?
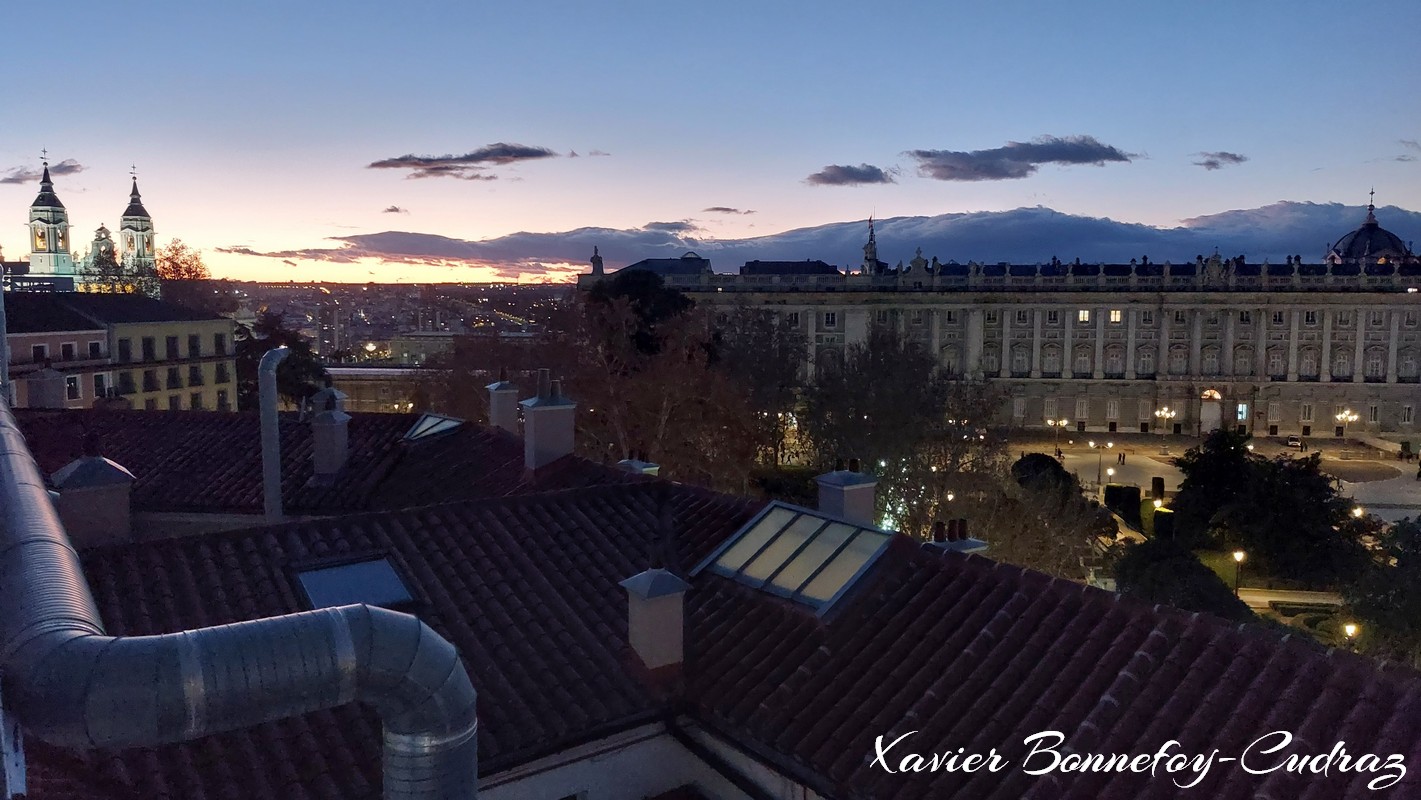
[{"x": 1295, "y": 441}]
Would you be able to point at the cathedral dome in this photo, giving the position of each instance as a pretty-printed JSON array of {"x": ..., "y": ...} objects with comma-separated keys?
[{"x": 1370, "y": 241}]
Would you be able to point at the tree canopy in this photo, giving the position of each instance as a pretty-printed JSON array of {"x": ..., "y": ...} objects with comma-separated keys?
[
  {"x": 299, "y": 376},
  {"x": 1285, "y": 512},
  {"x": 1164, "y": 571},
  {"x": 1387, "y": 597}
]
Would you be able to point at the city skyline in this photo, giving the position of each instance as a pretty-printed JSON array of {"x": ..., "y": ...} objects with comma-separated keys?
[{"x": 294, "y": 134}]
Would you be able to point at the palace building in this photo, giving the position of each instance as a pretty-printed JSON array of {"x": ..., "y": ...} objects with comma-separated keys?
[{"x": 1273, "y": 349}]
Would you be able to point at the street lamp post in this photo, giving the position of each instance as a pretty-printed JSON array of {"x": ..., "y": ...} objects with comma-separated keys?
[
  {"x": 1056, "y": 425},
  {"x": 1343, "y": 417},
  {"x": 1099, "y": 449},
  {"x": 1238, "y": 568},
  {"x": 1164, "y": 415}
]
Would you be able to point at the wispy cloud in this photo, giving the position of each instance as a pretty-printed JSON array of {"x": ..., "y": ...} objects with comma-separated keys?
[
  {"x": 1405, "y": 157},
  {"x": 30, "y": 175},
  {"x": 727, "y": 210},
  {"x": 471, "y": 166},
  {"x": 595, "y": 153},
  {"x": 395, "y": 210},
  {"x": 1218, "y": 159},
  {"x": 1411, "y": 144},
  {"x": 1015, "y": 159},
  {"x": 849, "y": 175},
  {"x": 682, "y": 226}
]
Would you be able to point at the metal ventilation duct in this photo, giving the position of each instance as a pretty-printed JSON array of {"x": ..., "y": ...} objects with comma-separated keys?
[{"x": 71, "y": 684}]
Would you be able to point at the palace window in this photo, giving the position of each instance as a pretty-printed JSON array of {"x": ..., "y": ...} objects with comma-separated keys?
[
  {"x": 1023, "y": 317},
  {"x": 1344, "y": 319},
  {"x": 1051, "y": 408},
  {"x": 883, "y": 316},
  {"x": 991, "y": 317},
  {"x": 1310, "y": 318},
  {"x": 793, "y": 319},
  {"x": 1406, "y": 415},
  {"x": 1378, "y": 319},
  {"x": 1083, "y": 315},
  {"x": 1374, "y": 364},
  {"x": 1082, "y": 362},
  {"x": 1410, "y": 320},
  {"x": 1245, "y": 317},
  {"x": 1277, "y": 319},
  {"x": 1372, "y": 413},
  {"x": 830, "y": 319},
  {"x": 1213, "y": 319},
  {"x": 1242, "y": 412},
  {"x": 1211, "y": 362},
  {"x": 918, "y": 316},
  {"x": 1342, "y": 365},
  {"x": 1180, "y": 318},
  {"x": 1112, "y": 409},
  {"x": 1147, "y": 362},
  {"x": 71, "y": 387},
  {"x": 1116, "y": 315},
  {"x": 1307, "y": 412},
  {"x": 1275, "y": 362},
  {"x": 1147, "y": 317},
  {"x": 1178, "y": 361},
  {"x": 1082, "y": 408},
  {"x": 950, "y": 317},
  {"x": 1053, "y": 317}
]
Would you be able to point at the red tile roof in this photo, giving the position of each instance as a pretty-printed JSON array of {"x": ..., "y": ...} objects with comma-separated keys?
[
  {"x": 525, "y": 588},
  {"x": 210, "y": 461},
  {"x": 967, "y": 652}
]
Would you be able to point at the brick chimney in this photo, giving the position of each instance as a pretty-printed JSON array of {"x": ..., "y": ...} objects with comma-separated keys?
[
  {"x": 547, "y": 423},
  {"x": 503, "y": 404},
  {"x": 848, "y": 494},
  {"x": 330, "y": 432},
  {"x": 953, "y": 536},
  {"x": 656, "y": 617},
  {"x": 93, "y": 499}
]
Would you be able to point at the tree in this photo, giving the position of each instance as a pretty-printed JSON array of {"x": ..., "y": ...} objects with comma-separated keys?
[
  {"x": 103, "y": 271},
  {"x": 1285, "y": 512},
  {"x": 917, "y": 428},
  {"x": 1387, "y": 598},
  {"x": 762, "y": 355},
  {"x": 1165, "y": 571},
  {"x": 299, "y": 376},
  {"x": 177, "y": 261},
  {"x": 1038, "y": 518}
]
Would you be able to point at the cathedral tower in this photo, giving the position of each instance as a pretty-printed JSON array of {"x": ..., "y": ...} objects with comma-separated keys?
[
  {"x": 49, "y": 235},
  {"x": 135, "y": 232}
]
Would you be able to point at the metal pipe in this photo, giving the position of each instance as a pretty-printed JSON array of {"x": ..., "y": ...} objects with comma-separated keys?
[
  {"x": 4, "y": 342},
  {"x": 69, "y": 683},
  {"x": 271, "y": 432}
]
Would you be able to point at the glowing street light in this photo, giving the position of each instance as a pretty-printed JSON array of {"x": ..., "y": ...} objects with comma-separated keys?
[
  {"x": 1351, "y": 630},
  {"x": 1158, "y": 504},
  {"x": 1164, "y": 415},
  {"x": 1359, "y": 512},
  {"x": 1057, "y": 425},
  {"x": 1343, "y": 417},
  {"x": 1238, "y": 568},
  {"x": 1100, "y": 449}
]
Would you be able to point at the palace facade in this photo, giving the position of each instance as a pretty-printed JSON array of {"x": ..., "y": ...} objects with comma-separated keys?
[{"x": 1272, "y": 349}]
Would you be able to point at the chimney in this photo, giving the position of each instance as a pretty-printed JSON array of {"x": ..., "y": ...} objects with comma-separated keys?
[
  {"x": 637, "y": 463},
  {"x": 953, "y": 537},
  {"x": 656, "y": 617},
  {"x": 547, "y": 423},
  {"x": 848, "y": 494},
  {"x": 270, "y": 432},
  {"x": 93, "y": 499},
  {"x": 46, "y": 388},
  {"x": 330, "y": 432},
  {"x": 503, "y": 404}
]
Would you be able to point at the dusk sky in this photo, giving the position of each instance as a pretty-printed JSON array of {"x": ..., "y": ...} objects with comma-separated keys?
[{"x": 277, "y": 128}]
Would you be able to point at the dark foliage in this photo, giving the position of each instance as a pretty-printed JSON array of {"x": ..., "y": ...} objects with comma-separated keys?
[
  {"x": 298, "y": 377},
  {"x": 1163, "y": 571}
]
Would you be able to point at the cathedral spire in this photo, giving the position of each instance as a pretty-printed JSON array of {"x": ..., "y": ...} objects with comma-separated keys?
[{"x": 46, "y": 197}]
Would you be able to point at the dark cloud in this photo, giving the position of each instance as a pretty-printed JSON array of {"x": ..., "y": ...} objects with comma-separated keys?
[
  {"x": 469, "y": 166},
  {"x": 1410, "y": 143},
  {"x": 1015, "y": 159},
  {"x": 288, "y": 262},
  {"x": 1405, "y": 157},
  {"x": 848, "y": 175},
  {"x": 573, "y": 154},
  {"x": 1023, "y": 235},
  {"x": 727, "y": 210},
  {"x": 1218, "y": 159},
  {"x": 395, "y": 210},
  {"x": 28, "y": 175},
  {"x": 684, "y": 226}
]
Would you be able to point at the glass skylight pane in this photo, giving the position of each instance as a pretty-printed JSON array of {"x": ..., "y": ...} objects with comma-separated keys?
[
  {"x": 749, "y": 544},
  {"x": 781, "y": 549},
  {"x": 798, "y": 570},
  {"x": 838, "y": 572},
  {"x": 373, "y": 582},
  {"x": 431, "y": 424}
]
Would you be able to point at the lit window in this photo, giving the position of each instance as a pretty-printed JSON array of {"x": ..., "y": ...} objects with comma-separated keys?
[
  {"x": 798, "y": 554},
  {"x": 1242, "y": 412},
  {"x": 1116, "y": 315},
  {"x": 1083, "y": 315},
  {"x": 374, "y": 582}
]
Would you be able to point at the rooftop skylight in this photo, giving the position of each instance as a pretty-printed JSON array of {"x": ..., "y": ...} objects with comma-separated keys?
[
  {"x": 374, "y": 582},
  {"x": 799, "y": 554},
  {"x": 431, "y": 425}
]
